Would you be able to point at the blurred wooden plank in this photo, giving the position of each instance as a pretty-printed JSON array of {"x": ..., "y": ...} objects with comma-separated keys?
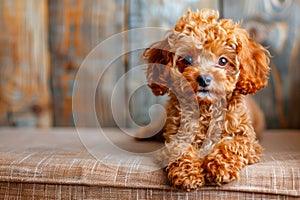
[
  {"x": 76, "y": 27},
  {"x": 24, "y": 64},
  {"x": 277, "y": 25},
  {"x": 161, "y": 14}
]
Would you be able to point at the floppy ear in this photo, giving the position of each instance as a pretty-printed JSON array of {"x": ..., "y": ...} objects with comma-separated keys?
[
  {"x": 254, "y": 64},
  {"x": 159, "y": 60}
]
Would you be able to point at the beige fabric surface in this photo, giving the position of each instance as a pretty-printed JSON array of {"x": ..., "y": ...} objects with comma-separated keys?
[{"x": 60, "y": 163}]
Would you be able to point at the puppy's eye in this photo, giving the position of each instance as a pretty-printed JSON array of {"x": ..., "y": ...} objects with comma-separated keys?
[
  {"x": 222, "y": 62},
  {"x": 188, "y": 60}
]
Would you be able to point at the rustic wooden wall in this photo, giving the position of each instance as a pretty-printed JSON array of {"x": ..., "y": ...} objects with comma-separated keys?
[
  {"x": 24, "y": 64},
  {"x": 78, "y": 26}
]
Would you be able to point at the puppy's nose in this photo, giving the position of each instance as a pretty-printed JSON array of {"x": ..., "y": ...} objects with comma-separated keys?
[{"x": 204, "y": 80}]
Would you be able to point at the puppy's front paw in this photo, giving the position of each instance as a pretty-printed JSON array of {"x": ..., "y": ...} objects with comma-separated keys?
[
  {"x": 221, "y": 170},
  {"x": 218, "y": 173},
  {"x": 186, "y": 175}
]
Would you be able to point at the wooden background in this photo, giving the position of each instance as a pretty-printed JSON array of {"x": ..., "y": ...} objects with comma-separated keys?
[{"x": 43, "y": 43}]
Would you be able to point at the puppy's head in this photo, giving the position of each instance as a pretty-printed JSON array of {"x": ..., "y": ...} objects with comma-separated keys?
[{"x": 216, "y": 57}]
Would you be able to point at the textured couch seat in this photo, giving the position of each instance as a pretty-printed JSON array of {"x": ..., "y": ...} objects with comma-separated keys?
[{"x": 60, "y": 163}]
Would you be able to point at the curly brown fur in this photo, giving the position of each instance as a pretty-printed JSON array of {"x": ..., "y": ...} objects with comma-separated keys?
[{"x": 207, "y": 66}]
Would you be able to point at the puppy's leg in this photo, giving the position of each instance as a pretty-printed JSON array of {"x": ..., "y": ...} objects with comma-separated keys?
[
  {"x": 228, "y": 157},
  {"x": 186, "y": 172}
]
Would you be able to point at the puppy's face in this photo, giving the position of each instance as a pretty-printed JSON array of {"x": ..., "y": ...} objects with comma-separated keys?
[
  {"x": 212, "y": 70},
  {"x": 216, "y": 57}
]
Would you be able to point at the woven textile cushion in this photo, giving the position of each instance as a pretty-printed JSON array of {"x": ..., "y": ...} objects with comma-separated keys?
[{"x": 65, "y": 164}]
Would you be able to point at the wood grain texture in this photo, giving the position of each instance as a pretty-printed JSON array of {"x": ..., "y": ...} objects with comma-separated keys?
[
  {"x": 76, "y": 27},
  {"x": 24, "y": 64},
  {"x": 275, "y": 24}
]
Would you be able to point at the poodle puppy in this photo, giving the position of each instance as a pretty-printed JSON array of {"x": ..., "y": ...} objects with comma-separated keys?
[{"x": 207, "y": 65}]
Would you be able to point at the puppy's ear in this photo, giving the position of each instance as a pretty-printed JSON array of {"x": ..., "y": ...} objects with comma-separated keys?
[
  {"x": 254, "y": 64},
  {"x": 159, "y": 60}
]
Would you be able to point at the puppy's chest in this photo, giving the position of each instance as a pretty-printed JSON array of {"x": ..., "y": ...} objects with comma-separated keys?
[{"x": 204, "y": 123}]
